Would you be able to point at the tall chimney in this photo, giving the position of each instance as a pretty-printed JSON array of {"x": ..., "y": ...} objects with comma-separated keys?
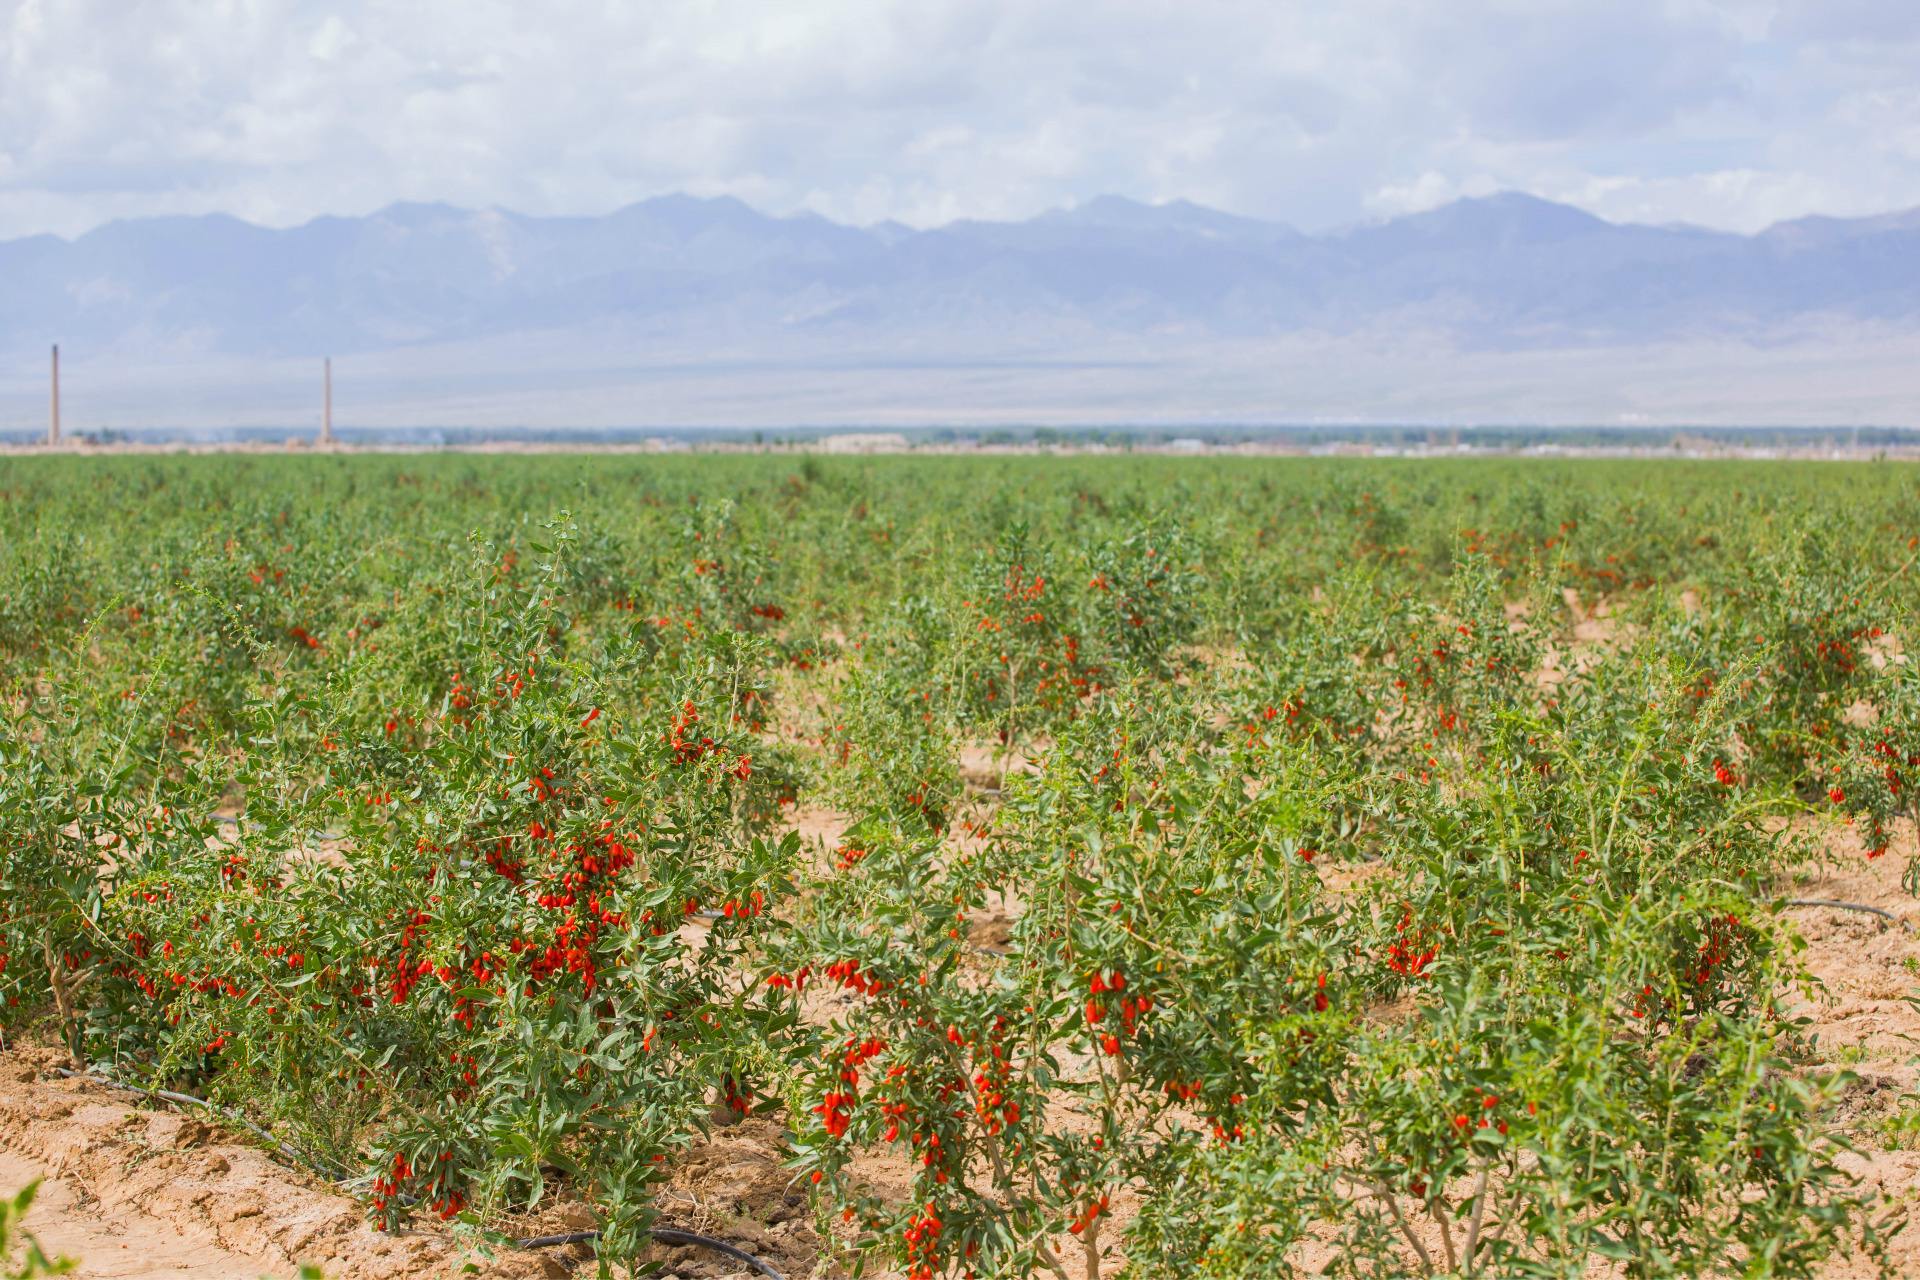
[
  {"x": 326, "y": 407},
  {"x": 53, "y": 407}
]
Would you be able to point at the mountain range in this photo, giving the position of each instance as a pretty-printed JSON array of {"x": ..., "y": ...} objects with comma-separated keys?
[{"x": 698, "y": 285}]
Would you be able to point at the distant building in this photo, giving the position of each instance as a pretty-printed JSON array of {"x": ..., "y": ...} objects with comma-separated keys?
[{"x": 862, "y": 442}]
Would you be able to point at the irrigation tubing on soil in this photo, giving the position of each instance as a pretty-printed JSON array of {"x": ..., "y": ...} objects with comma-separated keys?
[
  {"x": 663, "y": 1235},
  {"x": 1850, "y": 906}
]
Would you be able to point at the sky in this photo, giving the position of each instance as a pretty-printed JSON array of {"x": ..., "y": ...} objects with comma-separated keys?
[{"x": 1725, "y": 113}]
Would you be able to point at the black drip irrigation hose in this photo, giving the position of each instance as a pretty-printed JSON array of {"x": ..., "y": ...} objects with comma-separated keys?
[
  {"x": 1850, "y": 906},
  {"x": 662, "y": 1235}
]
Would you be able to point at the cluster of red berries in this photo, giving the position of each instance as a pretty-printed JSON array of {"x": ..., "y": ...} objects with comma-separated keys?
[
  {"x": 922, "y": 1238},
  {"x": 1094, "y": 1209},
  {"x": 1463, "y": 1123},
  {"x": 836, "y": 1108},
  {"x": 1131, "y": 1008},
  {"x": 994, "y": 1109},
  {"x": 1410, "y": 953},
  {"x": 849, "y": 974}
]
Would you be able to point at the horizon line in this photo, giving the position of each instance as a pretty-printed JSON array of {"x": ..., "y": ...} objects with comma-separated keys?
[{"x": 1507, "y": 194}]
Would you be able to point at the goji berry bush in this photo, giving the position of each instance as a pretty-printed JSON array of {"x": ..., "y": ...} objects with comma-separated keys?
[{"x": 1235, "y": 868}]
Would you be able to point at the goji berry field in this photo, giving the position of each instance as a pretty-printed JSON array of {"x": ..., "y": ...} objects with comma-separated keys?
[{"x": 1067, "y": 866}]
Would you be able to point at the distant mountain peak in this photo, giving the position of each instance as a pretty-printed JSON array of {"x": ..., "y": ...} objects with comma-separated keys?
[
  {"x": 1112, "y": 205},
  {"x": 1126, "y": 213},
  {"x": 1507, "y": 214},
  {"x": 417, "y": 212},
  {"x": 681, "y": 201},
  {"x": 1822, "y": 229}
]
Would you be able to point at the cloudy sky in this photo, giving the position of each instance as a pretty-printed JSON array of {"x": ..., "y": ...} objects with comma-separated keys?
[{"x": 1729, "y": 113}]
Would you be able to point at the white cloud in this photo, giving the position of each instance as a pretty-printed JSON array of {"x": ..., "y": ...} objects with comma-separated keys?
[
  {"x": 1724, "y": 112},
  {"x": 1428, "y": 191},
  {"x": 331, "y": 39}
]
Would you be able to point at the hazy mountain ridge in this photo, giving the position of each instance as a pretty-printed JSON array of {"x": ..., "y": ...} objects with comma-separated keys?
[{"x": 1499, "y": 272}]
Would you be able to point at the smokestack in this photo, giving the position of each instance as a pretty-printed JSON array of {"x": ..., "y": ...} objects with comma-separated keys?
[
  {"x": 326, "y": 408},
  {"x": 53, "y": 407}
]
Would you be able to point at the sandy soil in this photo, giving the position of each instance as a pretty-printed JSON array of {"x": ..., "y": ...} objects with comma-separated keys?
[
  {"x": 1866, "y": 1022},
  {"x": 136, "y": 1192},
  {"x": 70, "y": 1223}
]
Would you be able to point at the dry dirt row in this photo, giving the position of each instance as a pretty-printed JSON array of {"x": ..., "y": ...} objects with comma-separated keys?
[
  {"x": 141, "y": 1193},
  {"x": 1865, "y": 1019}
]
